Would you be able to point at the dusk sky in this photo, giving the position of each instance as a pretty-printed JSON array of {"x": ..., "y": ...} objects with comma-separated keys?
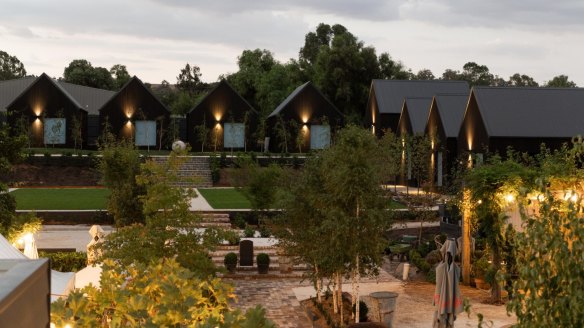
[{"x": 155, "y": 38}]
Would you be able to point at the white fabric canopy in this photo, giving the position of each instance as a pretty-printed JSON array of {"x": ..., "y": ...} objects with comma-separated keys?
[
  {"x": 89, "y": 274},
  {"x": 61, "y": 282}
]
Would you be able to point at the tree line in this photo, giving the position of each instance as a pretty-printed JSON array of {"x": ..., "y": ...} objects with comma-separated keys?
[{"x": 340, "y": 65}]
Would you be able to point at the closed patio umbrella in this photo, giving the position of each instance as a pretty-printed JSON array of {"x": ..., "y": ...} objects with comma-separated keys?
[
  {"x": 30, "y": 247},
  {"x": 447, "y": 298}
]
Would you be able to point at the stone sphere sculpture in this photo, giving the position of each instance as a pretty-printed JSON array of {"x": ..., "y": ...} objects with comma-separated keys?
[{"x": 178, "y": 146}]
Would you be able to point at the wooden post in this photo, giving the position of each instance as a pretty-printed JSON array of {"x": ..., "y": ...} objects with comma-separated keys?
[{"x": 466, "y": 240}]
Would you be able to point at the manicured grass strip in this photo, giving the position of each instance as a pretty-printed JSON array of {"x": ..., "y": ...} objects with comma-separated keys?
[
  {"x": 225, "y": 198},
  {"x": 61, "y": 199},
  {"x": 393, "y": 205}
]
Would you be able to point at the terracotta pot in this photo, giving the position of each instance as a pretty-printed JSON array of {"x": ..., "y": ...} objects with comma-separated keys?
[{"x": 263, "y": 268}]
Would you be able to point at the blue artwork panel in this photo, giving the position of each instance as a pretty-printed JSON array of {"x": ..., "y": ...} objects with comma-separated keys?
[
  {"x": 320, "y": 136},
  {"x": 145, "y": 133},
  {"x": 55, "y": 131},
  {"x": 233, "y": 135}
]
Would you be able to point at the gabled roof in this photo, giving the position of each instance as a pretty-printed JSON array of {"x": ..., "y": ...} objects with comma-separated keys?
[
  {"x": 86, "y": 98},
  {"x": 222, "y": 82},
  {"x": 451, "y": 108},
  {"x": 10, "y": 89},
  {"x": 134, "y": 79},
  {"x": 390, "y": 94},
  {"x": 295, "y": 93},
  {"x": 90, "y": 99},
  {"x": 418, "y": 110},
  {"x": 44, "y": 76},
  {"x": 531, "y": 112}
]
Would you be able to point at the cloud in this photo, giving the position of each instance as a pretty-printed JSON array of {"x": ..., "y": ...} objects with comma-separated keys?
[{"x": 497, "y": 14}]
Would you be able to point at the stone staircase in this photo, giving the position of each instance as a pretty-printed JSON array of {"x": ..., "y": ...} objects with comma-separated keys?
[
  {"x": 215, "y": 220},
  {"x": 195, "y": 170},
  {"x": 219, "y": 254}
]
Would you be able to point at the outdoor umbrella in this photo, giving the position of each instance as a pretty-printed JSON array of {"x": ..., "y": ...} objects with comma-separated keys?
[
  {"x": 30, "y": 248},
  {"x": 447, "y": 299}
]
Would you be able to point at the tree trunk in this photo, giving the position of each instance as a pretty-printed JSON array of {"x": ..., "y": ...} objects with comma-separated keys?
[
  {"x": 495, "y": 287},
  {"x": 335, "y": 302},
  {"x": 466, "y": 237},
  {"x": 340, "y": 294},
  {"x": 318, "y": 284},
  {"x": 357, "y": 303}
]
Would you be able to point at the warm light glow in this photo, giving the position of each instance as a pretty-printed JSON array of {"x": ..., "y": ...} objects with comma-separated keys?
[
  {"x": 38, "y": 111},
  {"x": 129, "y": 123},
  {"x": 218, "y": 113},
  {"x": 571, "y": 196},
  {"x": 218, "y": 126},
  {"x": 373, "y": 128},
  {"x": 304, "y": 118},
  {"x": 67, "y": 326},
  {"x": 479, "y": 202},
  {"x": 53, "y": 325},
  {"x": 28, "y": 237},
  {"x": 509, "y": 198},
  {"x": 305, "y": 128},
  {"x": 432, "y": 144},
  {"x": 469, "y": 139}
]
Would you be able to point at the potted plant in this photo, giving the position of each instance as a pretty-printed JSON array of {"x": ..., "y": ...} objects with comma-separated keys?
[
  {"x": 479, "y": 270},
  {"x": 230, "y": 262},
  {"x": 263, "y": 262}
]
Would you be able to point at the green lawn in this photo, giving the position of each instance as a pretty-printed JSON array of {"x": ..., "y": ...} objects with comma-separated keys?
[
  {"x": 61, "y": 199},
  {"x": 394, "y": 205},
  {"x": 225, "y": 198}
]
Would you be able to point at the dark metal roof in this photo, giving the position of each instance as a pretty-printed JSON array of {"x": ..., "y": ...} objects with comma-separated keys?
[
  {"x": 223, "y": 81},
  {"x": 134, "y": 79},
  {"x": 90, "y": 99},
  {"x": 390, "y": 94},
  {"x": 288, "y": 99},
  {"x": 11, "y": 89},
  {"x": 531, "y": 112},
  {"x": 295, "y": 93},
  {"x": 451, "y": 108},
  {"x": 418, "y": 110}
]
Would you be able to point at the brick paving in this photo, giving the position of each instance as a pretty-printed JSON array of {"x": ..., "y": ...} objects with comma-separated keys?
[{"x": 276, "y": 296}]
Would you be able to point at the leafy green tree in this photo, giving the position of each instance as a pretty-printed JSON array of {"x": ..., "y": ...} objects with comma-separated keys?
[
  {"x": 560, "y": 81},
  {"x": 119, "y": 165},
  {"x": 392, "y": 152},
  {"x": 81, "y": 72},
  {"x": 522, "y": 80},
  {"x": 170, "y": 230},
  {"x": 420, "y": 151},
  {"x": 550, "y": 277},
  {"x": 182, "y": 103},
  {"x": 120, "y": 75},
  {"x": 392, "y": 69},
  {"x": 158, "y": 294},
  {"x": 189, "y": 79},
  {"x": 10, "y": 153},
  {"x": 488, "y": 184},
  {"x": 424, "y": 74},
  {"x": 10, "y": 67},
  {"x": 344, "y": 201}
]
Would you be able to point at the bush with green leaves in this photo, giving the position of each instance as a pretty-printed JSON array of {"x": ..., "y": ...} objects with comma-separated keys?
[
  {"x": 230, "y": 258},
  {"x": 263, "y": 259},
  {"x": 232, "y": 237},
  {"x": 159, "y": 294},
  {"x": 119, "y": 165},
  {"x": 66, "y": 261},
  {"x": 249, "y": 232}
]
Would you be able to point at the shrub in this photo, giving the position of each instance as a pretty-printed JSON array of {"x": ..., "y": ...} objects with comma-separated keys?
[
  {"x": 434, "y": 257},
  {"x": 230, "y": 258},
  {"x": 232, "y": 237},
  {"x": 263, "y": 259},
  {"x": 66, "y": 261},
  {"x": 265, "y": 232},
  {"x": 215, "y": 166},
  {"x": 419, "y": 262},
  {"x": 239, "y": 221},
  {"x": 249, "y": 232}
]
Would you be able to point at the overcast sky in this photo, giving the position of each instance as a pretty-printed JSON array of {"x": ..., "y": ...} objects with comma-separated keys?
[{"x": 155, "y": 38}]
